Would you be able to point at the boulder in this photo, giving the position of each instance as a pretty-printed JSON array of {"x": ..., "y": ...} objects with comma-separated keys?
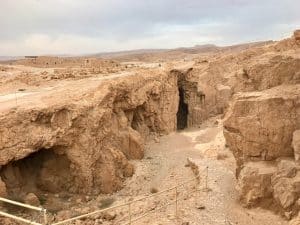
[
  {"x": 286, "y": 190},
  {"x": 286, "y": 168},
  {"x": 259, "y": 125},
  {"x": 283, "y": 193},
  {"x": 132, "y": 144},
  {"x": 254, "y": 182}
]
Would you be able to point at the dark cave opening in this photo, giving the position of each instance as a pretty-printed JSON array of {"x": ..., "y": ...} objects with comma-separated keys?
[
  {"x": 44, "y": 171},
  {"x": 182, "y": 113}
]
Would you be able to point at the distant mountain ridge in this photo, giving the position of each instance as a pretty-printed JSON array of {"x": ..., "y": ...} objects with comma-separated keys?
[{"x": 140, "y": 54}]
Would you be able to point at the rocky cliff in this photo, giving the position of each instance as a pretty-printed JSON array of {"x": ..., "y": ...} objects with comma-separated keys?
[
  {"x": 82, "y": 143},
  {"x": 262, "y": 126}
]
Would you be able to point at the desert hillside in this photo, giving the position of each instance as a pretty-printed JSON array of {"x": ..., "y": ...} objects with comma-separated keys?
[{"x": 81, "y": 134}]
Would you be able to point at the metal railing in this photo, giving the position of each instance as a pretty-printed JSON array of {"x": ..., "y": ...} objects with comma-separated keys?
[
  {"x": 17, "y": 218},
  {"x": 130, "y": 203},
  {"x": 127, "y": 204}
]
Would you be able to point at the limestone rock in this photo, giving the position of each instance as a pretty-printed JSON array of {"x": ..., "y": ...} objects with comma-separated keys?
[
  {"x": 275, "y": 71},
  {"x": 283, "y": 193},
  {"x": 286, "y": 190},
  {"x": 258, "y": 125},
  {"x": 133, "y": 144},
  {"x": 224, "y": 94},
  {"x": 254, "y": 182},
  {"x": 287, "y": 168},
  {"x": 92, "y": 133}
]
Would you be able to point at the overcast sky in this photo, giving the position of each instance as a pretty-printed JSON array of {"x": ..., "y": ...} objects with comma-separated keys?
[{"x": 34, "y": 27}]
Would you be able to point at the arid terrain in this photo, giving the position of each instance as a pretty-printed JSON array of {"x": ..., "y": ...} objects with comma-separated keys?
[{"x": 80, "y": 134}]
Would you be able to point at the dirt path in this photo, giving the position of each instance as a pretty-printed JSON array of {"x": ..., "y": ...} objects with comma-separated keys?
[{"x": 164, "y": 166}]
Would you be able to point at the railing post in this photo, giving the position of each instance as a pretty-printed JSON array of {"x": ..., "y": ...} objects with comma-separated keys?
[
  {"x": 206, "y": 179},
  {"x": 16, "y": 98},
  {"x": 176, "y": 202},
  {"x": 45, "y": 217},
  {"x": 129, "y": 210}
]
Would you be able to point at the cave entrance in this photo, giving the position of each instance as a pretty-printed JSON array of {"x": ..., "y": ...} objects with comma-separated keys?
[
  {"x": 44, "y": 171},
  {"x": 182, "y": 114}
]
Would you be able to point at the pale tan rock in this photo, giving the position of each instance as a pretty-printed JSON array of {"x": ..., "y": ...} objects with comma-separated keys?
[
  {"x": 93, "y": 132},
  {"x": 286, "y": 190},
  {"x": 258, "y": 125},
  {"x": 295, "y": 221},
  {"x": 224, "y": 94},
  {"x": 287, "y": 168},
  {"x": 276, "y": 71},
  {"x": 136, "y": 148},
  {"x": 254, "y": 182},
  {"x": 283, "y": 193}
]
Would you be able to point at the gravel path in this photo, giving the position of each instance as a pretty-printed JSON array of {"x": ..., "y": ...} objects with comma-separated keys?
[{"x": 165, "y": 165}]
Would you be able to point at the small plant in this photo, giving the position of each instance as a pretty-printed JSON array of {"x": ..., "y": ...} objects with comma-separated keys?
[{"x": 42, "y": 199}]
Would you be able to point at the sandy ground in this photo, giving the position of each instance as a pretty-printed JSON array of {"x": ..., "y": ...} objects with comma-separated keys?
[{"x": 165, "y": 165}]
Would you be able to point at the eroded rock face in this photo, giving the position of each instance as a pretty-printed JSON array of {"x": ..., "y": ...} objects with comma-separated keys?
[
  {"x": 276, "y": 71},
  {"x": 261, "y": 128},
  {"x": 92, "y": 137},
  {"x": 254, "y": 182}
]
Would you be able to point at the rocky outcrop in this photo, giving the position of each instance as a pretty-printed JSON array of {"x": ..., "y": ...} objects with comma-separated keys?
[
  {"x": 204, "y": 93},
  {"x": 261, "y": 129},
  {"x": 90, "y": 137},
  {"x": 254, "y": 182},
  {"x": 278, "y": 70},
  {"x": 250, "y": 129},
  {"x": 271, "y": 184}
]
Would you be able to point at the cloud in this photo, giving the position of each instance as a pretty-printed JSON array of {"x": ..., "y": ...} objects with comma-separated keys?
[{"x": 76, "y": 26}]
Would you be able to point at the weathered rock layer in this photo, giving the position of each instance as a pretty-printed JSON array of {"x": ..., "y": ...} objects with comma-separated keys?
[
  {"x": 262, "y": 128},
  {"x": 84, "y": 145}
]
